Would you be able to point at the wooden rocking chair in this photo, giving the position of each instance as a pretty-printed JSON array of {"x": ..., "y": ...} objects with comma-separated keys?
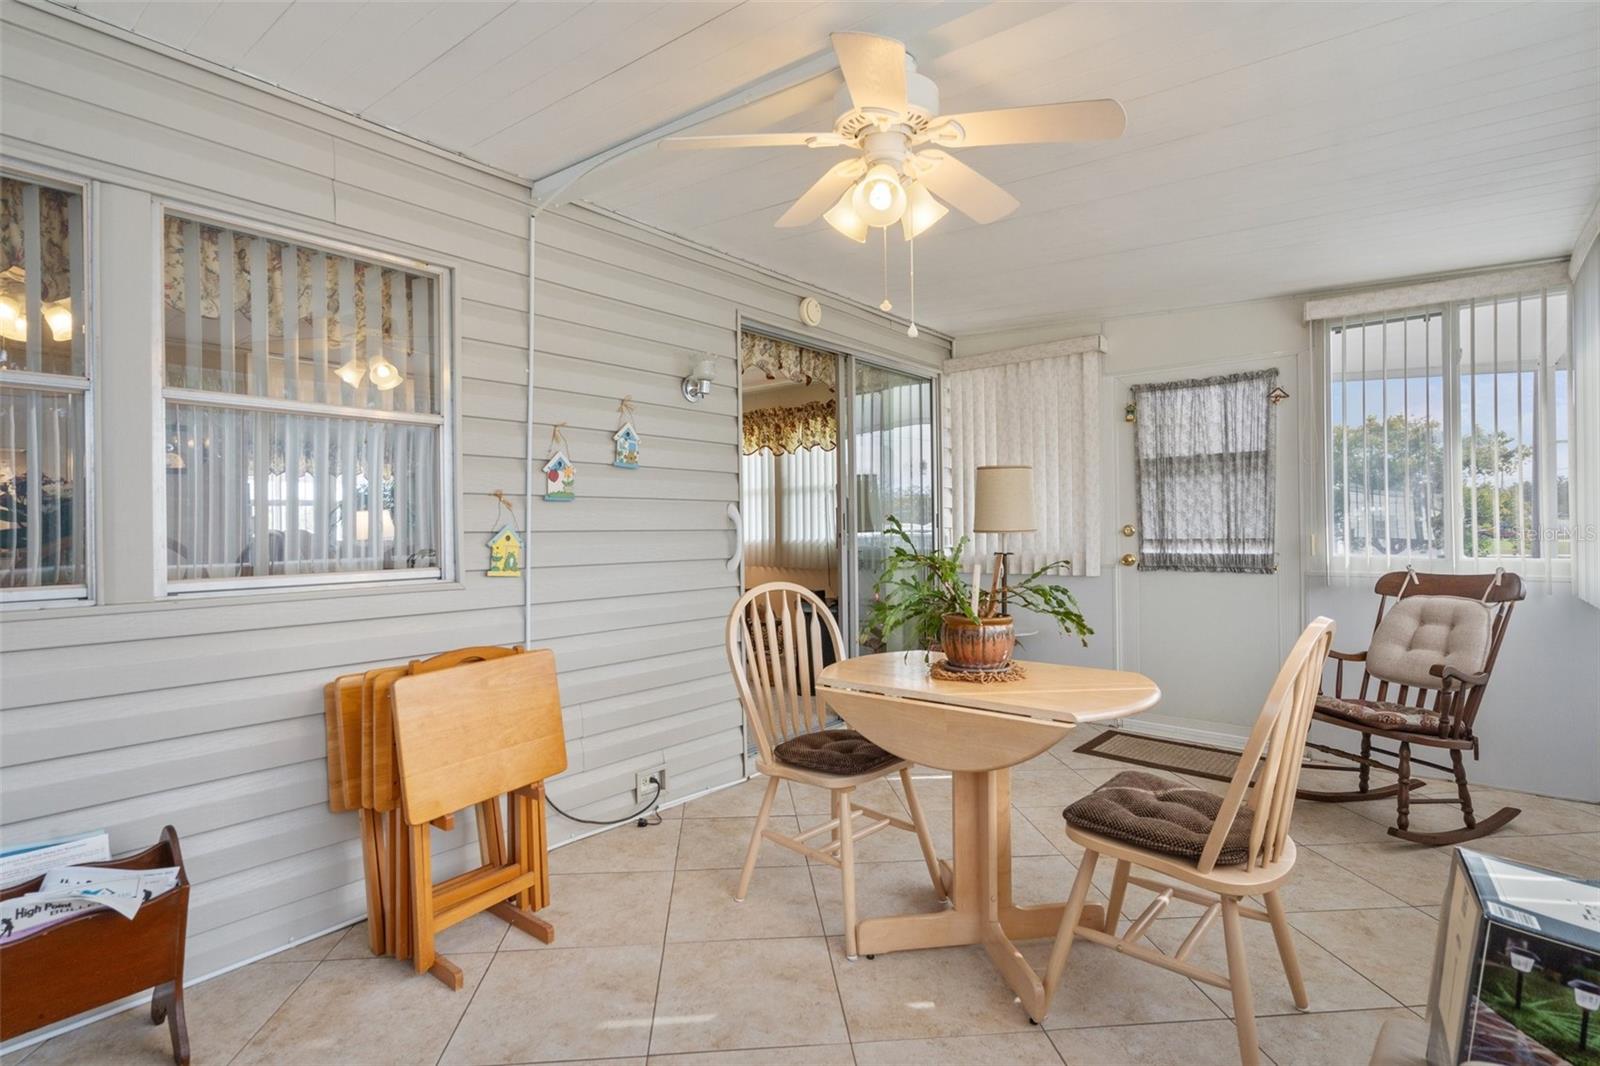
[{"x": 1434, "y": 646}]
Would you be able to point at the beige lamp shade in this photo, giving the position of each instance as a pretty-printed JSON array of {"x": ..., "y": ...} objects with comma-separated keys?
[{"x": 1003, "y": 500}]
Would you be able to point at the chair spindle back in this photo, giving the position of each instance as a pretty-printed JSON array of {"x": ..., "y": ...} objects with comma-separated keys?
[
  {"x": 1276, "y": 744},
  {"x": 775, "y": 652}
]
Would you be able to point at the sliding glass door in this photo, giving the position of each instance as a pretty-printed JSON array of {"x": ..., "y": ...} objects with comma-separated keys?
[{"x": 892, "y": 465}]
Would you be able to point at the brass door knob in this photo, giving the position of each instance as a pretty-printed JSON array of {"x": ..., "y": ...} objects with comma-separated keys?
[
  {"x": 1128, "y": 530},
  {"x": 1130, "y": 559}
]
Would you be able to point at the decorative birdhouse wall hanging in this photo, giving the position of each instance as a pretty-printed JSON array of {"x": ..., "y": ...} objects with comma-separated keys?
[
  {"x": 627, "y": 447},
  {"x": 559, "y": 473},
  {"x": 505, "y": 544},
  {"x": 626, "y": 437},
  {"x": 505, "y": 553}
]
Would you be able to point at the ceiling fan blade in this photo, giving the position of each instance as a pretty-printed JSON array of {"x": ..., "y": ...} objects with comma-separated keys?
[
  {"x": 964, "y": 188},
  {"x": 1081, "y": 120},
  {"x": 822, "y": 195},
  {"x": 756, "y": 140},
  {"x": 874, "y": 70}
]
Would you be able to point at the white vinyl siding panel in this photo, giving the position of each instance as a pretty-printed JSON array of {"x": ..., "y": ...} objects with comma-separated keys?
[{"x": 207, "y": 713}]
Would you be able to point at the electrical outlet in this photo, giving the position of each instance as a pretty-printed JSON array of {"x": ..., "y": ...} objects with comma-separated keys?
[{"x": 643, "y": 788}]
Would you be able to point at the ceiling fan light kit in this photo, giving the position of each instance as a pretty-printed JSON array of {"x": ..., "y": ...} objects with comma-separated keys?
[{"x": 904, "y": 171}]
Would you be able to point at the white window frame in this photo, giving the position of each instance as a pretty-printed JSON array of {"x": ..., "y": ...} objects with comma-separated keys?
[
  {"x": 447, "y": 342},
  {"x": 1456, "y": 359},
  {"x": 84, "y": 594}
]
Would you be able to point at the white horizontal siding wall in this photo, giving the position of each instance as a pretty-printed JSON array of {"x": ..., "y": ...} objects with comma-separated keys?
[
  {"x": 207, "y": 714},
  {"x": 632, "y": 589}
]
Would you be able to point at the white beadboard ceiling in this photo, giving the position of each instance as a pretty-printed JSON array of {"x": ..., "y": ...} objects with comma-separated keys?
[{"x": 1271, "y": 149}]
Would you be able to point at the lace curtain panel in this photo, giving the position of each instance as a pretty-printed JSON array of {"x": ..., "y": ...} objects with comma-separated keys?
[
  {"x": 1204, "y": 451},
  {"x": 782, "y": 360},
  {"x": 1038, "y": 407}
]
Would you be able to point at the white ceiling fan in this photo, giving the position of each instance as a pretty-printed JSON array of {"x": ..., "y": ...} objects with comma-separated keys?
[{"x": 905, "y": 167}]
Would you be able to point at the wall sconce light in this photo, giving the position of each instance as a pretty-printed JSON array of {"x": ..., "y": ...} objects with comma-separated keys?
[
  {"x": 698, "y": 384},
  {"x": 1278, "y": 395}
]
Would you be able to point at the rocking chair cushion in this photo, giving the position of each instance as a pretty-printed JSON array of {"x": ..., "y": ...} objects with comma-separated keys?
[
  {"x": 1420, "y": 632},
  {"x": 1381, "y": 713},
  {"x": 1161, "y": 815},
  {"x": 834, "y": 751}
]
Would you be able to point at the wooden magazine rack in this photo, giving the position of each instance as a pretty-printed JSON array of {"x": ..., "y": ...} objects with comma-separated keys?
[{"x": 98, "y": 957}]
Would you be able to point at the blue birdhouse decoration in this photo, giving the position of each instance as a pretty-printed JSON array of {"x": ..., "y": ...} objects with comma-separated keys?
[
  {"x": 627, "y": 440},
  {"x": 626, "y": 437},
  {"x": 560, "y": 475}
]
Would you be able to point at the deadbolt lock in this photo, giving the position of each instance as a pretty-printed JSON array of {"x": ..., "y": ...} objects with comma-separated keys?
[
  {"x": 1128, "y": 530},
  {"x": 1130, "y": 559}
]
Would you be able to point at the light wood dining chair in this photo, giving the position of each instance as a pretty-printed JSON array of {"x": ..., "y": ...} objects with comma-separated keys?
[
  {"x": 775, "y": 650},
  {"x": 1140, "y": 820}
]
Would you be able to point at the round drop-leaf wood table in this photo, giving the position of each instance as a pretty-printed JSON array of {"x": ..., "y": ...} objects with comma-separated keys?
[{"x": 977, "y": 732}]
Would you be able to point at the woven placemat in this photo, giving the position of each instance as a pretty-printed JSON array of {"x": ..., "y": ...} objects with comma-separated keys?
[{"x": 1013, "y": 672}]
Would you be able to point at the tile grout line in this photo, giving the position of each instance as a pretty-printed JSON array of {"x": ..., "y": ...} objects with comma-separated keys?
[
  {"x": 268, "y": 1019},
  {"x": 666, "y": 930}
]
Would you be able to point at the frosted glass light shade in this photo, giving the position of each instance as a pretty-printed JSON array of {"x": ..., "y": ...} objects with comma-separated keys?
[
  {"x": 842, "y": 217},
  {"x": 1003, "y": 500}
]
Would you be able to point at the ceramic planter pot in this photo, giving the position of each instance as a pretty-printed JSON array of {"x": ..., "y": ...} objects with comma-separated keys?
[{"x": 982, "y": 645}]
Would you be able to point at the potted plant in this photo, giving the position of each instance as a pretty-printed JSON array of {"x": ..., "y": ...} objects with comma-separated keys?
[{"x": 923, "y": 592}]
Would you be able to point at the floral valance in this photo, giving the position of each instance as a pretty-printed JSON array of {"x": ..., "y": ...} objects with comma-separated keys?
[
  {"x": 54, "y": 236},
  {"x": 786, "y": 361},
  {"x": 185, "y": 240},
  {"x": 791, "y": 429}
]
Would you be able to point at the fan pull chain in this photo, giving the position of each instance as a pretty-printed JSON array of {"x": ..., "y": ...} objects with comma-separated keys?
[
  {"x": 911, "y": 256},
  {"x": 886, "y": 305}
]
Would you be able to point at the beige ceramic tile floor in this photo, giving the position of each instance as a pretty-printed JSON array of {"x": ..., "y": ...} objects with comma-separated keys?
[{"x": 655, "y": 963}]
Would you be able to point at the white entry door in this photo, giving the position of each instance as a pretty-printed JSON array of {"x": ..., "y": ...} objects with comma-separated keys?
[{"x": 1213, "y": 642}]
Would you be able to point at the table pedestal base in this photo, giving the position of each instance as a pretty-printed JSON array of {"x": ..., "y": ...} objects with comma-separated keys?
[{"x": 978, "y": 883}]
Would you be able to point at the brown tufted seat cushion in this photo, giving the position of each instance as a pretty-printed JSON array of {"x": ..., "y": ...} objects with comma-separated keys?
[
  {"x": 1161, "y": 815},
  {"x": 1381, "y": 713},
  {"x": 834, "y": 751}
]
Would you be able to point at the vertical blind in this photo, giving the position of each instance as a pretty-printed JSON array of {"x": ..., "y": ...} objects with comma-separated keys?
[
  {"x": 303, "y": 426},
  {"x": 44, "y": 392},
  {"x": 1585, "y": 415},
  {"x": 790, "y": 508},
  {"x": 1449, "y": 435},
  {"x": 1034, "y": 408}
]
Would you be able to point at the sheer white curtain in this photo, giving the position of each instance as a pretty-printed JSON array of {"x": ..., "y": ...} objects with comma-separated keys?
[
  {"x": 1586, "y": 429},
  {"x": 303, "y": 410},
  {"x": 1038, "y": 406},
  {"x": 789, "y": 519}
]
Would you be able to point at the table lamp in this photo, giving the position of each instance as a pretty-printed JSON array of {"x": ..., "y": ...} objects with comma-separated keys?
[{"x": 1003, "y": 503}]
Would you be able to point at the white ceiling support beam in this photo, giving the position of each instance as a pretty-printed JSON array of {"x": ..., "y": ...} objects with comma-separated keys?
[
  {"x": 560, "y": 186},
  {"x": 1586, "y": 239}
]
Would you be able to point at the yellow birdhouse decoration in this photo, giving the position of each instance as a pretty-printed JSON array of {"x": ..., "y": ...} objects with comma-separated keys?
[
  {"x": 505, "y": 553},
  {"x": 505, "y": 544}
]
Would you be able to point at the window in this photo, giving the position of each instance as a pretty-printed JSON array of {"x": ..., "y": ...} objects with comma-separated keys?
[
  {"x": 790, "y": 476},
  {"x": 45, "y": 533},
  {"x": 1450, "y": 432},
  {"x": 305, "y": 433}
]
